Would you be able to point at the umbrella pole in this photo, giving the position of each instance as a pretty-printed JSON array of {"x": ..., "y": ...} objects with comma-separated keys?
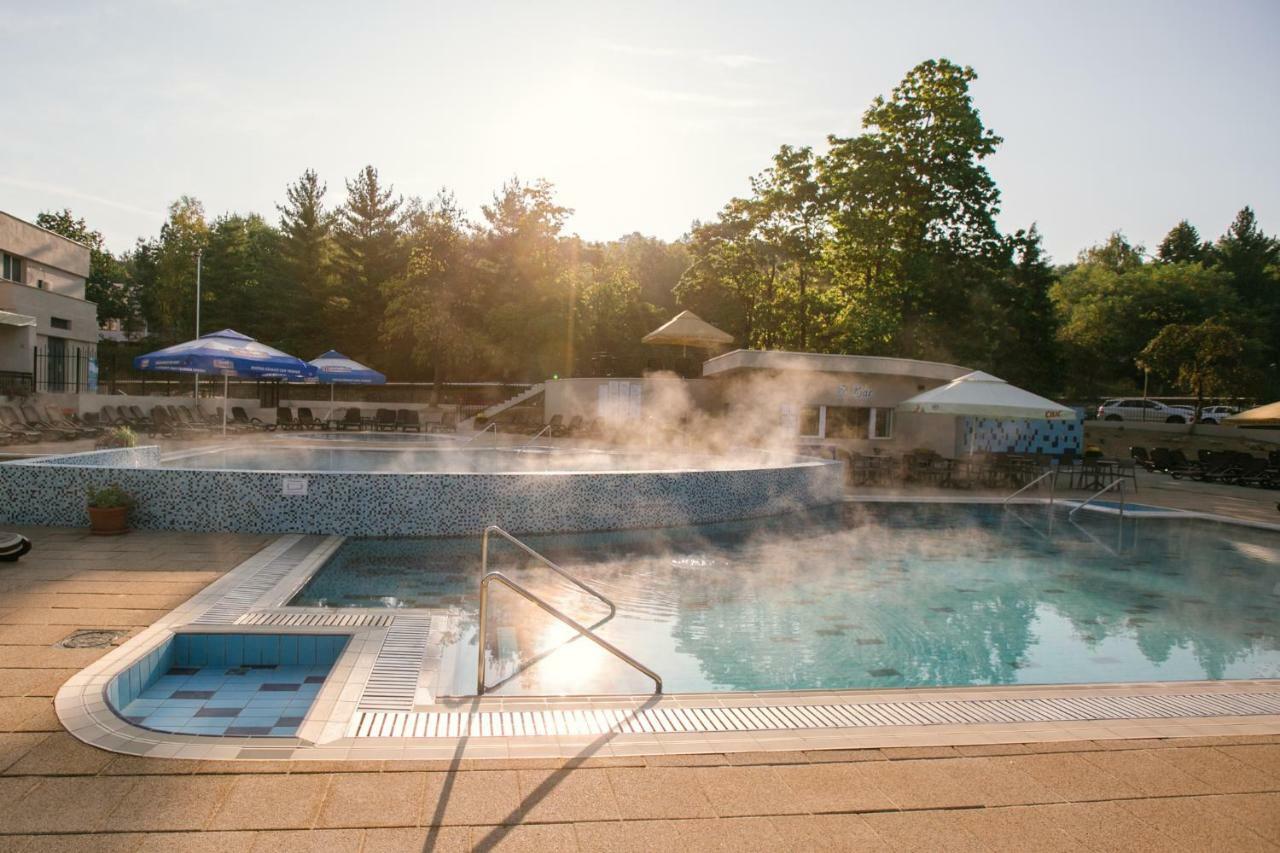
[
  {"x": 329, "y": 416},
  {"x": 224, "y": 405}
]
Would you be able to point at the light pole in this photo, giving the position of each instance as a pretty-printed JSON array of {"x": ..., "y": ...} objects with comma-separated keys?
[{"x": 199, "y": 258}]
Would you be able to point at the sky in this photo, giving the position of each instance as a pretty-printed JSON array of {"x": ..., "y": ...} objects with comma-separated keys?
[{"x": 645, "y": 116}]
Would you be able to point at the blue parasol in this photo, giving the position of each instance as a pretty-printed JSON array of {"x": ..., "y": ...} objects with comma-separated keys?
[
  {"x": 334, "y": 367},
  {"x": 227, "y": 353}
]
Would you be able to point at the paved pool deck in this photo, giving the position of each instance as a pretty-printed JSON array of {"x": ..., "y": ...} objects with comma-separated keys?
[{"x": 1187, "y": 793}]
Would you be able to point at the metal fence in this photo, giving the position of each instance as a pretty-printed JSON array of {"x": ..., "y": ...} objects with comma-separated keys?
[{"x": 62, "y": 370}]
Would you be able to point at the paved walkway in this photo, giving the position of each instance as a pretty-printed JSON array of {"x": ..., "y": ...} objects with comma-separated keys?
[{"x": 57, "y": 794}]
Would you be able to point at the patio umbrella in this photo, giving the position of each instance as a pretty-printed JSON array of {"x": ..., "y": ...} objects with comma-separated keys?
[
  {"x": 227, "y": 353},
  {"x": 982, "y": 395},
  {"x": 1263, "y": 417},
  {"x": 334, "y": 367}
]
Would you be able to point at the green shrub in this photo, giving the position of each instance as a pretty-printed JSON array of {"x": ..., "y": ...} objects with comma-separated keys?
[{"x": 110, "y": 497}]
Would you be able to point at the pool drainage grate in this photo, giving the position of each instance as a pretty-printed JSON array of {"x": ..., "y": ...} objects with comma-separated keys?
[
  {"x": 672, "y": 719},
  {"x": 290, "y": 619},
  {"x": 236, "y": 603},
  {"x": 393, "y": 681}
]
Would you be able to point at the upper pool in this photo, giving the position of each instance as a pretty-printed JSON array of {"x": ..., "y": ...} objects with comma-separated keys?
[
  {"x": 462, "y": 459},
  {"x": 863, "y": 595}
]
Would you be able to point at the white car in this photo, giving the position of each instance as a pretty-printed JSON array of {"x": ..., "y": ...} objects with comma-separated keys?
[
  {"x": 1130, "y": 409},
  {"x": 1216, "y": 414}
]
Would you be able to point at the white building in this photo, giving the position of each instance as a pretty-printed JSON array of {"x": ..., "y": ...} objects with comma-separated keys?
[{"x": 48, "y": 330}]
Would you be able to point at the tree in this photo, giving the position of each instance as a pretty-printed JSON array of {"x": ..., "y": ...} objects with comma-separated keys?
[
  {"x": 527, "y": 291},
  {"x": 1117, "y": 254},
  {"x": 1208, "y": 358},
  {"x": 307, "y": 251},
  {"x": 432, "y": 306},
  {"x": 612, "y": 317},
  {"x": 369, "y": 255},
  {"x": 913, "y": 213},
  {"x": 1105, "y": 317},
  {"x": 105, "y": 285},
  {"x": 242, "y": 284},
  {"x": 1251, "y": 258},
  {"x": 1182, "y": 245},
  {"x": 170, "y": 299}
]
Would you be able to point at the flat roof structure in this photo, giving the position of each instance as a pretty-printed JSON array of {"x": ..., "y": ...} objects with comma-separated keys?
[{"x": 812, "y": 362}]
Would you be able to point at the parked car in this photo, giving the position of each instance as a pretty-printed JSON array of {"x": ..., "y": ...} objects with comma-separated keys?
[
  {"x": 1215, "y": 414},
  {"x": 1144, "y": 410}
]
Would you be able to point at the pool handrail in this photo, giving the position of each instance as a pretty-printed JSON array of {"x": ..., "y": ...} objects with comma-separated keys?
[
  {"x": 1113, "y": 484},
  {"x": 548, "y": 608},
  {"x": 484, "y": 564},
  {"x": 1050, "y": 475},
  {"x": 539, "y": 434},
  {"x": 492, "y": 425}
]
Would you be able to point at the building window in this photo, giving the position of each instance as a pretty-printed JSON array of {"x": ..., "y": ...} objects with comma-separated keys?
[
  {"x": 811, "y": 421},
  {"x": 882, "y": 423},
  {"x": 59, "y": 323},
  {"x": 40, "y": 283},
  {"x": 848, "y": 422},
  {"x": 11, "y": 267}
]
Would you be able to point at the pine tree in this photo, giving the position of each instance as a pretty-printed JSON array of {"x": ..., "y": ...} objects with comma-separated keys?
[
  {"x": 1182, "y": 245},
  {"x": 307, "y": 250},
  {"x": 369, "y": 255}
]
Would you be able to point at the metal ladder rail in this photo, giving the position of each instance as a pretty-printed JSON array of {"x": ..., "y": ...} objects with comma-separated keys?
[
  {"x": 492, "y": 425},
  {"x": 572, "y": 623},
  {"x": 539, "y": 434},
  {"x": 484, "y": 564},
  {"x": 1108, "y": 487},
  {"x": 1050, "y": 475}
]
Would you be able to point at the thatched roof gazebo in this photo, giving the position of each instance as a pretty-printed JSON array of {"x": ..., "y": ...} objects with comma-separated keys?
[{"x": 686, "y": 330}]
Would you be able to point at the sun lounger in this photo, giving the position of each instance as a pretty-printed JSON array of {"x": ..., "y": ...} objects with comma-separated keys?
[
  {"x": 352, "y": 418},
  {"x": 407, "y": 420},
  {"x": 32, "y": 419},
  {"x": 307, "y": 420},
  {"x": 285, "y": 419},
  {"x": 9, "y": 418},
  {"x": 384, "y": 419}
]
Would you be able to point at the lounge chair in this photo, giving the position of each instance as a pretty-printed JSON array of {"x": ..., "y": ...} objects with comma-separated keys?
[
  {"x": 13, "y": 546},
  {"x": 161, "y": 423},
  {"x": 352, "y": 418},
  {"x": 557, "y": 425},
  {"x": 241, "y": 419},
  {"x": 385, "y": 419},
  {"x": 191, "y": 421},
  {"x": 55, "y": 417},
  {"x": 575, "y": 425},
  {"x": 285, "y": 419},
  {"x": 407, "y": 419},
  {"x": 32, "y": 419},
  {"x": 433, "y": 420},
  {"x": 11, "y": 422},
  {"x": 306, "y": 420}
]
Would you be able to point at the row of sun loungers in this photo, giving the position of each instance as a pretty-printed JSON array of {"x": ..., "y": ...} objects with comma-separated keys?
[
  {"x": 24, "y": 423},
  {"x": 1232, "y": 467}
]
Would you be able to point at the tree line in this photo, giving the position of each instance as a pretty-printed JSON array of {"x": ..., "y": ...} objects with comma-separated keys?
[{"x": 883, "y": 243}]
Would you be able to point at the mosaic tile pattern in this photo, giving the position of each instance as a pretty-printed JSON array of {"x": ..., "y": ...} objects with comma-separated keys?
[
  {"x": 1022, "y": 436},
  {"x": 226, "y": 684},
  {"x": 374, "y": 504},
  {"x": 265, "y": 700}
]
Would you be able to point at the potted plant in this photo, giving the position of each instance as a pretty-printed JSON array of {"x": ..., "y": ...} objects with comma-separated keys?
[
  {"x": 109, "y": 510},
  {"x": 120, "y": 436}
]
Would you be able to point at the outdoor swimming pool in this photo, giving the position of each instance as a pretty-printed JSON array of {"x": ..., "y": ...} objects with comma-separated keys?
[
  {"x": 855, "y": 596},
  {"x": 462, "y": 459}
]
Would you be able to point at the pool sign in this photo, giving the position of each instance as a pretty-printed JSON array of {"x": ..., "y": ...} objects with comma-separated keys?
[{"x": 294, "y": 486}]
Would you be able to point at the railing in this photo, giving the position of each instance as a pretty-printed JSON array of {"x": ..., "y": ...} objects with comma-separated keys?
[
  {"x": 1114, "y": 484},
  {"x": 1050, "y": 475},
  {"x": 539, "y": 434},
  {"x": 492, "y": 425},
  {"x": 583, "y": 631},
  {"x": 484, "y": 563}
]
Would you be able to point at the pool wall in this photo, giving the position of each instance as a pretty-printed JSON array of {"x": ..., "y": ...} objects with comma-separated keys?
[{"x": 49, "y": 491}]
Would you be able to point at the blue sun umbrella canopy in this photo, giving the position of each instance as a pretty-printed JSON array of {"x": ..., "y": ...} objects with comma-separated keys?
[
  {"x": 227, "y": 353},
  {"x": 334, "y": 367}
]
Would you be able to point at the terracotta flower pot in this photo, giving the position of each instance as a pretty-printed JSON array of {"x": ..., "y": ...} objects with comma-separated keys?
[{"x": 110, "y": 521}]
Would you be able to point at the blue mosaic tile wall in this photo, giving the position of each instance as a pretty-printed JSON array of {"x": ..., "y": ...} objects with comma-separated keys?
[
  {"x": 226, "y": 684},
  {"x": 1022, "y": 436},
  {"x": 48, "y": 492}
]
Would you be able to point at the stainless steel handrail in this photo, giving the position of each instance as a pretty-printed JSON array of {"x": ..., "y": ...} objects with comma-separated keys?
[
  {"x": 492, "y": 425},
  {"x": 539, "y": 434},
  {"x": 1108, "y": 487},
  {"x": 572, "y": 623},
  {"x": 1050, "y": 474},
  {"x": 484, "y": 563}
]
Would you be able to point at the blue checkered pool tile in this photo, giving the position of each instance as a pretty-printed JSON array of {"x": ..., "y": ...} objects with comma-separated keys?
[{"x": 263, "y": 700}]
